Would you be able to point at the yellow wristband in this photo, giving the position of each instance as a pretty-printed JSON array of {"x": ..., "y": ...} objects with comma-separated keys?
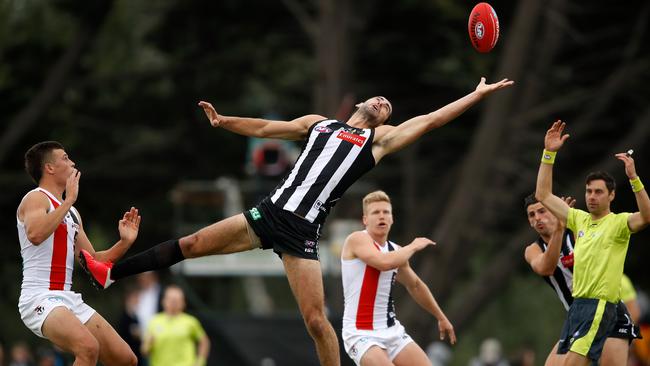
[
  {"x": 548, "y": 157},
  {"x": 636, "y": 184}
]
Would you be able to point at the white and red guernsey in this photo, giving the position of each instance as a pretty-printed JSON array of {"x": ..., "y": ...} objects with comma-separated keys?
[
  {"x": 368, "y": 301},
  {"x": 49, "y": 265}
]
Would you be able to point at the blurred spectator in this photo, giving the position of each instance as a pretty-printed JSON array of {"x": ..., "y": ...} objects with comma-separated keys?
[
  {"x": 128, "y": 327},
  {"x": 149, "y": 297},
  {"x": 21, "y": 355},
  {"x": 48, "y": 356},
  {"x": 489, "y": 354},
  {"x": 172, "y": 336},
  {"x": 524, "y": 357},
  {"x": 438, "y": 353}
]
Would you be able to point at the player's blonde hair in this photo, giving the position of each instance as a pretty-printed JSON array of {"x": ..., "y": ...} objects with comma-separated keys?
[{"x": 372, "y": 197}]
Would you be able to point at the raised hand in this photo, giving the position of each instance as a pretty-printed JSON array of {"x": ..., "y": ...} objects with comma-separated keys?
[
  {"x": 211, "y": 113},
  {"x": 129, "y": 225},
  {"x": 446, "y": 329},
  {"x": 485, "y": 89},
  {"x": 421, "y": 243},
  {"x": 72, "y": 186},
  {"x": 554, "y": 138},
  {"x": 569, "y": 201},
  {"x": 630, "y": 169}
]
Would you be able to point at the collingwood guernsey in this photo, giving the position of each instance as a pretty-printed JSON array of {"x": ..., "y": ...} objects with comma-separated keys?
[
  {"x": 333, "y": 157},
  {"x": 562, "y": 278}
]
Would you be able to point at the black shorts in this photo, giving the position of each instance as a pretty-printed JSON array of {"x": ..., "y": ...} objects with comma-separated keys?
[
  {"x": 624, "y": 327},
  {"x": 283, "y": 231},
  {"x": 588, "y": 324}
]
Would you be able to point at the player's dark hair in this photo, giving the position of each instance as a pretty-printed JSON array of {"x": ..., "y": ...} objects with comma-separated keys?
[
  {"x": 529, "y": 200},
  {"x": 610, "y": 183},
  {"x": 37, "y": 156}
]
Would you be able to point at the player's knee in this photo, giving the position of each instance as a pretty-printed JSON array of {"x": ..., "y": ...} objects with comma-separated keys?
[
  {"x": 129, "y": 359},
  {"x": 189, "y": 245},
  {"x": 316, "y": 323},
  {"x": 87, "y": 349}
]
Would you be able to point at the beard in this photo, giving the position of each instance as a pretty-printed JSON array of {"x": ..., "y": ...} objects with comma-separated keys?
[{"x": 370, "y": 116}]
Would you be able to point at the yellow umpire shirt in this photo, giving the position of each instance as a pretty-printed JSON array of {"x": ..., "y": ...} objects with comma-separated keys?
[
  {"x": 599, "y": 254},
  {"x": 174, "y": 339}
]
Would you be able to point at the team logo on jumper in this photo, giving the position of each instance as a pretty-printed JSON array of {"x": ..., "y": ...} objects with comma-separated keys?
[
  {"x": 353, "y": 351},
  {"x": 255, "y": 214},
  {"x": 319, "y": 205},
  {"x": 354, "y": 130},
  {"x": 323, "y": 129},
  {"x": 581, "y": 234},
  {"x": 567, "y": 260},
  {"x": 39, "y": 309},
  {"x": 352, "y": 138}
]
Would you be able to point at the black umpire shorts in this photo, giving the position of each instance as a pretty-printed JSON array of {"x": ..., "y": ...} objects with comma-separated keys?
[
  {"x": 589, "y": 323},
  {"x": 283, "y": 231},
  {"x": 624, "y": 327}
]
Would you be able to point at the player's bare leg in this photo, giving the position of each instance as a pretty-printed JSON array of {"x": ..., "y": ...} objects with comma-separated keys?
[
  {"x": 553, "y": 358},
  {"x": 113, "y": 350},
  {"x": 306, "y": 281},
  {"x": 615, "y": 352},
  {"x": 575, "y": 359},
  {"x": 411, "y": 355},
  {"x": 66, "y": 331},
  {"x": 224, "y": 237},
  {"x": 376, "y": 356}
]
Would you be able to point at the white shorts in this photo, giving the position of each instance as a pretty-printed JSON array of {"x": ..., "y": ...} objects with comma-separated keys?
[
  {"x": 358, "y": 342},
  {"x": 35, "y": 307}
]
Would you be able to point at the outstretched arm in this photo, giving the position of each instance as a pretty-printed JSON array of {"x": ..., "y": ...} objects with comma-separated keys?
[
  {"x": 423, "y": 296},
  {"x": 641, "y": 219},
  {"x": 258, "y": 127},
  {"x": 360, "y": 245},
  {"x": 128, "y": 227},
  {"x": 544, "y": 192},
  {"x": 389, "y": 139}
]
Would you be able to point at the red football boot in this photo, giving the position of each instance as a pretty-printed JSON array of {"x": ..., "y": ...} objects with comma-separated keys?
[{"x": 99, "y": 272}]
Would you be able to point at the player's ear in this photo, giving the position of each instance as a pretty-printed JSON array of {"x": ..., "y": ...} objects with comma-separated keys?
[
  {"x": 364, "y": 220},
  {"x": 48, "y": 168},
  {"x": 358, "y": 105}
]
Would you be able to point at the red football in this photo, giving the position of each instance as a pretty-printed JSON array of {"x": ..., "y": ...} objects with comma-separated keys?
[{"x": 483, "y": 27}]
